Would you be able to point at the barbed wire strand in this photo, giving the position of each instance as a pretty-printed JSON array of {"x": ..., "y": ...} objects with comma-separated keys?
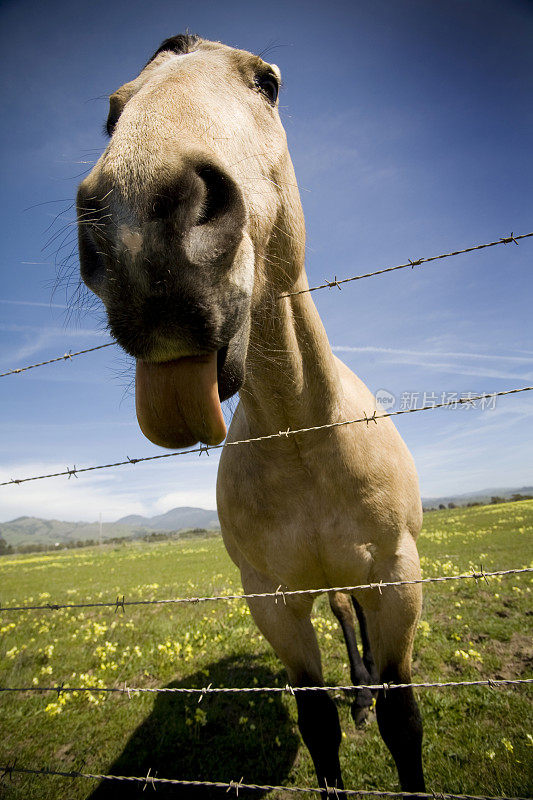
[
  {"x": 65, "y": 357},
  {"x": 338, "y": 282},
  {"x": 326, "y": 285},
  {"x": 62, "y": 688},
  {"x": 8, "y": 770},
  {"x": 279, "y": 594},
  {"x": 280, "y": 434}
]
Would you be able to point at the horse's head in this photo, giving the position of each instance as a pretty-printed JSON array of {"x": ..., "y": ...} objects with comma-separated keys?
[{"x": 182, "y": 223}]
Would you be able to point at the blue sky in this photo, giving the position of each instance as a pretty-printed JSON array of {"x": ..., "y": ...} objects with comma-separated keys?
[{"x": 409, "y": 124}]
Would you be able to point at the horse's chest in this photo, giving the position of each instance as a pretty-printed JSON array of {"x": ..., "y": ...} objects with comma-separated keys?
[{"x": 287, "y": 522}]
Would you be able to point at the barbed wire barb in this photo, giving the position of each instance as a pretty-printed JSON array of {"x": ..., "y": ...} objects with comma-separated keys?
[
  {"x": 280, "y": 593},
  {"x": 205, "y": 690},
  {"x": 119, "y": 604},
  {"x": 235, "y": 785},
  {"x": 480, "y": 574},
  {"x": 7, "y": 771},
  {"x": 149, "y": 778},
  {"x": 334, "y": 282}
]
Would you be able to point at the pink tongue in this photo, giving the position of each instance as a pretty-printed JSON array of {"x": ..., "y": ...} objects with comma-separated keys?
[{"x": 177, "y": 401}]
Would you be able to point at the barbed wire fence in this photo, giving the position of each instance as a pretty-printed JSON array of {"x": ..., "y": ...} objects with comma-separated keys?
[
  {"x": 280, "y": 595},
  {"x": 136, "y": 691},
  {"x": 204, "y": 448},
  {"x": 328, "y": 284},
  {"x": 154, "y": 781},
  {"x": 65, "y": 357}
]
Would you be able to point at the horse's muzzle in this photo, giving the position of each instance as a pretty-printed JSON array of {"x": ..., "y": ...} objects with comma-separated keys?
[{"x": 160, "y": 257}]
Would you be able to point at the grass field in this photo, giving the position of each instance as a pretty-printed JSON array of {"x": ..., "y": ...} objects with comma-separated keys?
[{"x": 477, "y": 740}]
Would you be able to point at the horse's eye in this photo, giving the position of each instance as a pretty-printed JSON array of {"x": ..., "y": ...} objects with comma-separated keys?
[{"x": 268, "y": 85}]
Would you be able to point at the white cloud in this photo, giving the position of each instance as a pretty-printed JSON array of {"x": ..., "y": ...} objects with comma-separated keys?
[
  {"x": 145, "y": 489},
  {"x": 464, "y": 369},
  {"x": 433, "y": 360},
  {"x": 486, "y": 424},
  {"x": 64, "y": 498},
  {"x": 30, "y": 303},
  {"x": 483, "y": 450},
  {"x": 39, "y": 339},
  {"x": 432, "y": 353},
  {"x": 201, "y": 498},
  {"x": 34, "y": 345},
  {"x": 51, "y": 331}
]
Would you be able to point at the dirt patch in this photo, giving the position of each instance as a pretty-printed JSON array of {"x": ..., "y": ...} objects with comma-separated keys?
[
  {"x": 516, "y": 656},
  {"x": 64, "y": 753}
]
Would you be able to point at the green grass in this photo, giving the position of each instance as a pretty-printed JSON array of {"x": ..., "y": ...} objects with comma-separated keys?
[{"x": 476, "y": 740}]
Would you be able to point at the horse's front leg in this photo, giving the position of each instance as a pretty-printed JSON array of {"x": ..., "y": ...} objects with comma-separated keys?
[
  {"x": 392, "y": 619},
  {"x": 287, "y": 626}
]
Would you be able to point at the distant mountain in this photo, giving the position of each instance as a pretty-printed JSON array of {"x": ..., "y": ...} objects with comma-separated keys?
[
  {"x": 482, "y": 497},
  {"x": 175, "y": 519},
  {"x": 34, "y": 530}
]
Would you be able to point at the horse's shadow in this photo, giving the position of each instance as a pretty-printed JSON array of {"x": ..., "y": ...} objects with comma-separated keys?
[{"x": 224, "y": 738}]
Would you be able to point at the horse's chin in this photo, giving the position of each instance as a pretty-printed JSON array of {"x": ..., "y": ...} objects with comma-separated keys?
[{"x": 231, "y": 363}]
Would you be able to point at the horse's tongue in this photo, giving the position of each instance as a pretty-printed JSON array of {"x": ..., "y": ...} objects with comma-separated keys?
[{"x": 177, "y": 401}]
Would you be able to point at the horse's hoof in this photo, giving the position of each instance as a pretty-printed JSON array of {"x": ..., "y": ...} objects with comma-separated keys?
[
  {"x": 360, "y": 715},
  {"x": 361, "y": 706}
]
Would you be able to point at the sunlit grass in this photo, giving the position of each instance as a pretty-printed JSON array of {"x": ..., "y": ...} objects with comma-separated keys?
[{"x": 468, "y": 630}]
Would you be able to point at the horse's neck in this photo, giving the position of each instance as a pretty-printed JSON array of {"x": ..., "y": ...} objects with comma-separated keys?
[{"x": 292, "y": 379}]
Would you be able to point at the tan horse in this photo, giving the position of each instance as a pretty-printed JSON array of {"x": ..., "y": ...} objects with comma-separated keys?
[{"x": 190, "y": 230}]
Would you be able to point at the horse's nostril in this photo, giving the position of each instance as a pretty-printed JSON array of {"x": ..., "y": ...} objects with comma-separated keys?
[
  {"x": 200, "y": 194},
  {"x": 219, "y": 194},
  {"x": 92, "y": 265},
  {"x": 91, "y": 213}
]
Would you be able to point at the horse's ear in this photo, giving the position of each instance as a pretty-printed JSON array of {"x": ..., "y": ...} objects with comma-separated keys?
[
  {"x": 181, "y": 44},
  {"x": 117, "y": 101}
]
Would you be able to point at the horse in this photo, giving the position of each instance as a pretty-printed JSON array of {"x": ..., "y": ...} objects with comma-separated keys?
[{"x": 191, "y": 232}]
